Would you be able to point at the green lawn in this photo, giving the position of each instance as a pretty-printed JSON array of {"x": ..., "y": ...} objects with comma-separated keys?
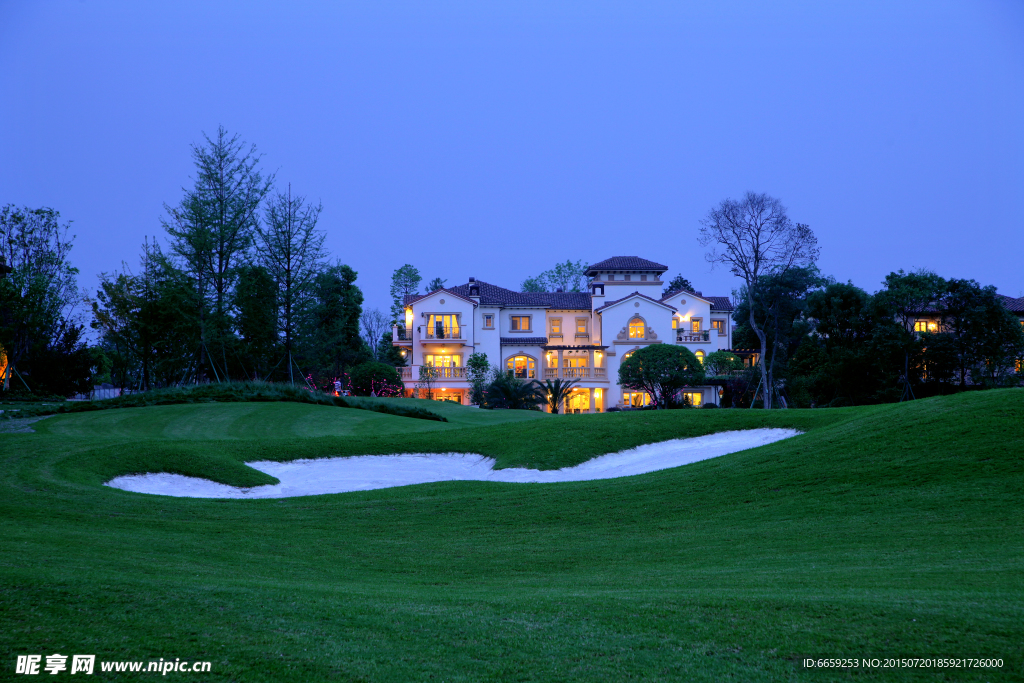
[{"x": 882, "y": 531}]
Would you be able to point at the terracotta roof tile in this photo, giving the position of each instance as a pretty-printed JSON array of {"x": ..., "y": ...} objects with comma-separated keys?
[
  {"x": 625, "y": 263},
  {"x": 524, "y": 341}
]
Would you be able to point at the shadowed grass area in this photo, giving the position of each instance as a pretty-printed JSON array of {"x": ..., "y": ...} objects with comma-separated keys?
[{"x": 882, "y": 531}]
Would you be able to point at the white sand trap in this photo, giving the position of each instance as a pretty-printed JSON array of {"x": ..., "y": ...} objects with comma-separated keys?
[{"x": 364, "y": 472}]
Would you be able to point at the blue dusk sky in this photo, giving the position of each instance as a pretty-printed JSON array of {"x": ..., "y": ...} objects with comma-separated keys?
[{"x": 493, "y": 139}]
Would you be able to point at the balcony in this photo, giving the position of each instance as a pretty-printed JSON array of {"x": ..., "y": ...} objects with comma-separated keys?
[
  {"x": 576, "y": 373},
  {"x": 404, "y": 373},
  {"x": 449, "y": 373},
  {"x": 684, "y": 336},
  {"x": 443, "y": 333},
  {"x": 401, "y": 334}
]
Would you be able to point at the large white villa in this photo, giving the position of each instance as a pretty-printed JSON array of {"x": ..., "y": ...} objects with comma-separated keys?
[{"x": 573, "y": 335}]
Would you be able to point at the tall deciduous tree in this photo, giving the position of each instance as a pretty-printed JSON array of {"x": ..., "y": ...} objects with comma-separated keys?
[
  {"x": 213, "y": 226},
  {"x": 291, "y": 249},
  {"x": 752, "y": 237},
  {"x": 905, "y": 297},
  {"x": 375, "y": 325},
  {"x": 405, "y": 281}
]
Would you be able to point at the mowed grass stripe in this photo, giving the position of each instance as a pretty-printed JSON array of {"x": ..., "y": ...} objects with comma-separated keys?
[{"x": 881, "y": 530}]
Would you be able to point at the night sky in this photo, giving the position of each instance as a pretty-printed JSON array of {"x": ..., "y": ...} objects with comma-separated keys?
[{"x": 494, "y": 139}]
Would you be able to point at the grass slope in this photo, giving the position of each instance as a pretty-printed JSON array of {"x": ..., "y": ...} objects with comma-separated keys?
[{"x": 883, "y": 531}]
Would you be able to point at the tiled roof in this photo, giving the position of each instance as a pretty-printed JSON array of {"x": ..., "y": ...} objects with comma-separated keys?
[
  {"x": 625, "y": 263},
  {"x": 1012, "y": 305},
  {"x": 630, "y": 296},
  {"x": 413, "y": 298},
  {"x": 524, "y": 341},
  {"x": 718, "y": 303},
  {"x": 491, "y": 295}
]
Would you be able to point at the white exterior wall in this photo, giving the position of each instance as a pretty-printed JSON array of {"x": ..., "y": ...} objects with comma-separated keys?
[{"x": 604, "y": 329}]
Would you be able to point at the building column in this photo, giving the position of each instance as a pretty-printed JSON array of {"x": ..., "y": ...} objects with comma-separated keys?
[
  {"x": 593, "y": 407},
  {"x": 559, "y": 363},
  {"x": 590, "y": 368}
]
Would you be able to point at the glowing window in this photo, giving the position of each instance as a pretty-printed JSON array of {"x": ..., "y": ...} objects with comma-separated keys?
[
  {"x": 636, "y": 399},
  {"x": 556, "y": 327},
  {"x": 521, "y": 323},
  {"x": 695, "y": 324},
  {"x": 700, "y": 356},
  {"x": 718, "y": 326},
  {"x": 636, "y": 328},
  {"x": 489, "y": 321},
  {"x": 694, "y": 398},
  {"x": 523, "y": 367}
]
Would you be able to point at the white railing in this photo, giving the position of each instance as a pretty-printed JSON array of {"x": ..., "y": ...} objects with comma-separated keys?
[{"x": 576, "y": 373}]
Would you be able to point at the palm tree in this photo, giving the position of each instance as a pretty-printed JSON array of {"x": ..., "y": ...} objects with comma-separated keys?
[
  {"x": 508, "y": 391},
  {"x": 557, "y": 391}
]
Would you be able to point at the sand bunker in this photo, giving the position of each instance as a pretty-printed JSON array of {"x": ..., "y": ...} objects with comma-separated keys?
[{"x": 361, "y": 473}]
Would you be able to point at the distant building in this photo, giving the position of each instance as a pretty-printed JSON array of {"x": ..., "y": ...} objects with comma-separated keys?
[{"x": 573, "y": 335}]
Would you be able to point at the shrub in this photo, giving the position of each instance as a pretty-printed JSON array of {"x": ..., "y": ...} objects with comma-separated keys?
[{"x": 379, "y": 379}]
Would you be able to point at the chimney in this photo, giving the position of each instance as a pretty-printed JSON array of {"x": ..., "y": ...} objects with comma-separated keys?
[
  {"x": 559, "y": 289},
  {"x": 472, "y": 279}
]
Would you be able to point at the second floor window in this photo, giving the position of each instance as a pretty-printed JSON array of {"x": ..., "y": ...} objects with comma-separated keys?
[
  {"x": 718, "y": 326},
  {"x": 521, "y": 323},
  {"x": 443, "y": 327},
  {"x": 581, "y": 327},
  {"x": 695, "y": 324},
  {"x": 556, "y": 327},
  {"x": 489, "y": 322},
  {"x": 926, "y": 326}
]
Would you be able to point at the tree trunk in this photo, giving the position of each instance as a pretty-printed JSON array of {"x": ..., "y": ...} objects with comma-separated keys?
[{"x": 763, "y": 338}]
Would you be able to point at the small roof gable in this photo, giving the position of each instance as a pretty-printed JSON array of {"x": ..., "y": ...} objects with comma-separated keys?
[
  {"x": 633, "y": 263},
  {"x": 414, "y": 298},
  {"x": 634, "y": 295},
  {"x": 718, "y": 303}
]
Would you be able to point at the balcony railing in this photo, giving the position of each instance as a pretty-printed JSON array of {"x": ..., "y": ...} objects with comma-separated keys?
[
  {"x": 690, "y": 336},
  {"x": 446, "y": 333},
  {"x": 404, "y": 373},
  {"x": 401, "y": 334},
  {"x": 449, "y": 373},
  {"x": 576, "y": 373}
]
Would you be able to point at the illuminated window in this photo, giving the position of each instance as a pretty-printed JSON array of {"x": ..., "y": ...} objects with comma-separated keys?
[
  {"x": 700, "y": 356},
  {"x": 523, "y": 367},
  {"x": 521, "y": 323},
  {"x": 695, "y": 324},
  {"x": 443, "y": 327},
  {"x": 556, "y": 327},
  {"x": 718, "y": 325},
  {"x": 675, "y": 323},
  {"x": 445, "y": 365},
  {"x": 694, "y": 398},
  {"x": 408, "y": 318},
  {"x": 581, "y": 327},
  {"x": 489, "y": 322},
  {"x": 636, "y": 399},
  {"x": 636, "y": 328},
  {"x": 921, "y": 326}
]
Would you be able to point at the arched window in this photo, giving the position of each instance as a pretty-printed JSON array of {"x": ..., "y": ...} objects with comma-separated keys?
[
  {"x": 700, "y": 356},
  {"x": 636, "y": 328},
  {"x": 524, "y": 367}
]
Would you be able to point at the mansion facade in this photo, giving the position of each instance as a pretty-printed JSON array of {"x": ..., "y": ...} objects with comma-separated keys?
[{"x": 583, "y": 336}]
